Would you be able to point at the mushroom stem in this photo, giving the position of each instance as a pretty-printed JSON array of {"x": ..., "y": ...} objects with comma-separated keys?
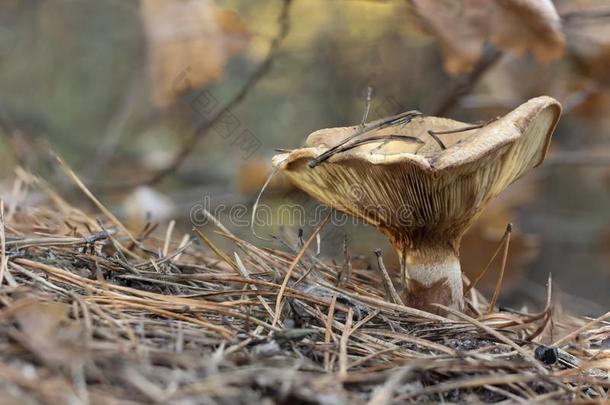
[{"x": 433, "y": 277}]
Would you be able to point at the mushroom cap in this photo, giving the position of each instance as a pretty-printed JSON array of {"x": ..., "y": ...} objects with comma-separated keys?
[{"x": 416, "y": 192}]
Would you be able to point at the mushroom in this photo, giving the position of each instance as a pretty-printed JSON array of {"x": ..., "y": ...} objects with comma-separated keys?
[{"x": 422, "y": 181}]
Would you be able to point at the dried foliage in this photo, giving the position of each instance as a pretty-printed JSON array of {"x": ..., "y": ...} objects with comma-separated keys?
[
  {"x": 191, "y": 37},
  {"x": 588, "y": 36},
  {"x": 89, "y": 314},
  {"x": 462, "y": 27}
]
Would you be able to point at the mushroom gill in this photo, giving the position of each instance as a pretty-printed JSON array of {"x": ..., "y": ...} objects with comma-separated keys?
[{"x": 422, "y": 181}]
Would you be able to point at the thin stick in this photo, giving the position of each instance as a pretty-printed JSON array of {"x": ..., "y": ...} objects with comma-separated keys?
[
  {"x": 257, "y": 201},
  {"x": 437, "y": 139},
  {"x": 497, "y": 335},
  {"x": 345, "y": 273},
  {"x": 245, "y": 274},
  {"x": 280, "y": 295},
  {"x": 463, "y": 85},
  {"x": 374, "y": 139},
  {"x": 217, "y": 222},
  {"x": 383, "y": 396},
  {"x": 457, "y": 130},
  {"x": 215, "y": 249},
  {"x": 547, "y": 311},
  {"x": 93, "y": 199},
  {"x": 367, "y": 106},
  {"x": 403, "y": 118},
  {"x": 120, "y": 249},
  {"x": 263, "y": 68},
  {"x": 343, "y": 344},
  {"x": 469, "y": 382},
  {"x": 3, "y": 261},
  {"x": 387, "y": 281},
  {"x": 403, "y": 269},
  {"x": 186, "y": 240},
  {"x": 586, "y": 326},
  {"x": 329, "y": 331},
  {"x": 168, "y": 236},
  {"x": 494, "y": 298},
  {"x": 484, "y": 271}
]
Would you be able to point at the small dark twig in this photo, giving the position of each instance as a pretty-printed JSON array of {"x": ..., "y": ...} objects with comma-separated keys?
[
  {"x": 484, "y": 271},
  {"x": 463, "y": 85},
  {"x": 403, "y": 269},
  {"x": 492, "y": 304},
  {"x": 584, "y": 16},
  {"x": 403, "y": 138},
  {"x": 463, "y": 129},
  {"x": 391, "y": 294},
  {"x": 437, "y": 139},
  {"x": 95, "y": 237},
  {"x": 399, "y": 119},
  {"x": 434, "y": 134},
  {"x": 121, "y": 258},
  {"x": 345, "y": 273}
]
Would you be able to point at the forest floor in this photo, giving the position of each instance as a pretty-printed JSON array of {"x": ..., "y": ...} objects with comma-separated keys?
[{"x": 92, "y": 313}]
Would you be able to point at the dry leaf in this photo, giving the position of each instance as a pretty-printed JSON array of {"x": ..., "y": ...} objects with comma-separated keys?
[
  {"x": 189, "y": 42},
  {"x": 588, "y": 36},
  {"x": 46, "y": 330},
  {"x": 462, "y": 27}
]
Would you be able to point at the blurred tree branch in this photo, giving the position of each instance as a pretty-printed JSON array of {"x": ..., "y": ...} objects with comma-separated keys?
[
  {"x": 463, "y": 85},
  {"x": 115, "y": 128},
  {"x": 580, "y": 16},
  {"x": 191, "y": 142}
]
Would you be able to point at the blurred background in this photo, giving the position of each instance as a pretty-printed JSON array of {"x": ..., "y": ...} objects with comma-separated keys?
[{"x": 165, "y": 106}]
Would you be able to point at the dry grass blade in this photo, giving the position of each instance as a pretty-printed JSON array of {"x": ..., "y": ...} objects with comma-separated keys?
[
  {"x": 328, "y": 332},
  {"x": 497, "y": 335},
  {"x": 3, "y": 261},
  {"x": 494, "y": 298},
  {"x": 70, "y": 173},
  {"x": 215, "y": 249},
  {"x": 470, "y": 382},
  {"x": 347, "y": 330},
  {"x": 387, "y": 281},
  {"x": 488, "y": 265},
  {"x": 583, "y": 328},
  {"x": 280, "y": 295}
]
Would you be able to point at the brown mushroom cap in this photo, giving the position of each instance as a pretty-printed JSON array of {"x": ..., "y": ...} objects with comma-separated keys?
[{"x": 418, "y": 193}]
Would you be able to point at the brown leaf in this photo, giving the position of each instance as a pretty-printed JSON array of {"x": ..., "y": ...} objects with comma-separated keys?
[
  {"x": 189, "y": 42},
  {"x": 462, "y": 27},
  {"x": 46, "y": 330},
  {"x": 588, "y": 36}
]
